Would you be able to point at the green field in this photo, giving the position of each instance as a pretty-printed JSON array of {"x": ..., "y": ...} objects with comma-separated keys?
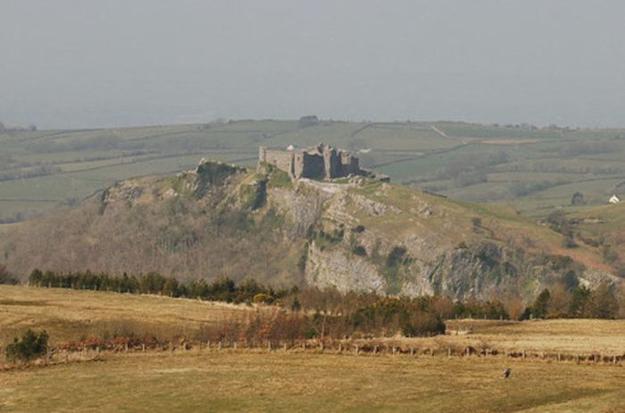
[{"x": 538, "y": 169}]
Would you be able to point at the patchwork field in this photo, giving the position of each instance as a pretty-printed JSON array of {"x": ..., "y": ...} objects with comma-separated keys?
[{"x": 537, "y": 169}]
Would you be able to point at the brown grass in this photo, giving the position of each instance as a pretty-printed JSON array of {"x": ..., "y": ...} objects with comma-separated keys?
[
  {"x": 71, "y": 315},
  {"x": 257, "y": 380},
  {"x": 276, "y": 382}
]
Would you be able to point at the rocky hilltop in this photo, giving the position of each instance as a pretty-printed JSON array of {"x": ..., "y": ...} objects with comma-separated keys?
[{"x": 354, "y": 234}]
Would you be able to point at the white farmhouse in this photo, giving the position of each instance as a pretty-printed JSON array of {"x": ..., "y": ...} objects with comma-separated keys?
[{"x": 615, "y": 199}]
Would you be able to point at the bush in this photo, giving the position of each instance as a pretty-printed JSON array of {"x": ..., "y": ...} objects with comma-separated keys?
[
  {"x": 569, "y": 242},
  {"x": 423, "y": 325},
  {"x": 29, "y": 347},
  {"x": 262, "y": 298},
  {"x": 578, "y": 199}
]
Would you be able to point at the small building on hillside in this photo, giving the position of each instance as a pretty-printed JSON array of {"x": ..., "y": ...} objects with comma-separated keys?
[{"x": 615, "y": 199}]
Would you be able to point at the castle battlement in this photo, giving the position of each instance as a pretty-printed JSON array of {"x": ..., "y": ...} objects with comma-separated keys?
[{"x": 318, "y": 162}]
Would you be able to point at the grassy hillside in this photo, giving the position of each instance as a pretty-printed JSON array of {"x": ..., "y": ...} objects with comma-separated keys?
[
  {"x": 604, "y": 226},
  {"x": 364, "y": 235},
  {"x": 71, "y": 315},
  {"x": 535, "y": 169}
]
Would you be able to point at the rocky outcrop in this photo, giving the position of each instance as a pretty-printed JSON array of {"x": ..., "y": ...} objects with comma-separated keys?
[
  {"x": 360, "y": 235},
  {"x": 343, "y": 271}
]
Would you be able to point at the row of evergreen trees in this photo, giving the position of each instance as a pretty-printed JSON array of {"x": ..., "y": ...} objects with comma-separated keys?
[
  {"x": 579, "y": 302},
  {"x": 224, "y": 289}
]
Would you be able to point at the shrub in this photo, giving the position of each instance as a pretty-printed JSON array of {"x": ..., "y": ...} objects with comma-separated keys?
[
  {"x": 29, "y": 347},
  {"x": 578, "y": 199},
  {"x": 263, "y": 298},
  {"x": 569, "y": 242},
  {"x": 423, "y": 324},
  {"x": 477, "y": 222}
]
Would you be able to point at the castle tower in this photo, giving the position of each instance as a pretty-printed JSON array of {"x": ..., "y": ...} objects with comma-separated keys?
[{"x": 331, "y": 161}]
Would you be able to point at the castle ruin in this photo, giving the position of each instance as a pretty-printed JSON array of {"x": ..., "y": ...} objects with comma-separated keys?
[{"x": 319, "y": 162}]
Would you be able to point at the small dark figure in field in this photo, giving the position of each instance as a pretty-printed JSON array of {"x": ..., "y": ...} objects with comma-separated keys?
[{"x": 506, "y": 373}]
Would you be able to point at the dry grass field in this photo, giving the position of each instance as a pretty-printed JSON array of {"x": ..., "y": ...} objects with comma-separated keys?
[
  {"x": 258, "y": 380},
  {"x": 565, "y": 336},
  {"x": 287, "y": 382},
  {"x": 70, "y": 315}
]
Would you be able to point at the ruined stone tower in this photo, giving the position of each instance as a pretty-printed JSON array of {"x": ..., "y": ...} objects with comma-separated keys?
[{"x": 319, "y": 162}]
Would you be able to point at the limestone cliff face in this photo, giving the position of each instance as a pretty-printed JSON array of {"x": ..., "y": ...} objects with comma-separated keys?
[
  {"x": 385, "y": 239},
  {"x": 346, "y": 272},
  {"x": 357, "y": 235}
]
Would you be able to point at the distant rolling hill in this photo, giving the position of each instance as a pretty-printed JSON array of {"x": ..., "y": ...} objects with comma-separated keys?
[{"x": 533, "y": 170}]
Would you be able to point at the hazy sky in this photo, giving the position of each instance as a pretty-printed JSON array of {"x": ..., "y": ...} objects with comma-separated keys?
[{"x": 94, "y": 63}]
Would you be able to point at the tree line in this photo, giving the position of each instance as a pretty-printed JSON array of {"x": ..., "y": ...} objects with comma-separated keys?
[
  {"x": 579, "y": 302},
  {"x": 354, "y": 310},
  {"x": 223, "y": 289}
]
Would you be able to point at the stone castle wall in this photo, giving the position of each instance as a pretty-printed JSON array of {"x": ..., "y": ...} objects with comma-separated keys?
[
  {"x": 281, "y": 159},
  {"x": 309, "y": 166},
  {"x": 320, "y": 162}
]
